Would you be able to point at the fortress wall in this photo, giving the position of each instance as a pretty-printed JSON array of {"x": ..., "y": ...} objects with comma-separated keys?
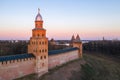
[
  {"x": 14, "y": 69},
  {"x": 58, "y": 59}
]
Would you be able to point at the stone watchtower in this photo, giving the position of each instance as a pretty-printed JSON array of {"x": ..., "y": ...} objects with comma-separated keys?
[
  {"x": 76, "y": 42},
  {"x": 38, "y": 46}
]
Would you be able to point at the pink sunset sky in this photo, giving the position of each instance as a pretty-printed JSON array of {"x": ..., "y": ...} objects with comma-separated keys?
[{"x": 91, "y": 19}]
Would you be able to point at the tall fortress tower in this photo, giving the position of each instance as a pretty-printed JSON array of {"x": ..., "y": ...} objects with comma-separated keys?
[
  {"x": 38, "y": 45},
  {"x": 37, "y": 59}
]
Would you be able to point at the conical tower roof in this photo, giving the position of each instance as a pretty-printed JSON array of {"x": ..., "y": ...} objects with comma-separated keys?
[
  {"x": 77, "y": 38},
  {"x": 73, "y": 38},
  {"x": 38, "y": 17}
]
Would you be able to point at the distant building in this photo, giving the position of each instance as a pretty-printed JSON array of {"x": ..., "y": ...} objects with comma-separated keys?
[
  {"x": 76, "y": 42},
  {"x": 52, "y": 42},
  {"x": 37, "y": 60}
]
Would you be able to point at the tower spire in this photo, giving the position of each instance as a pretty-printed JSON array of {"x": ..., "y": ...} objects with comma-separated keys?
[{"x": 38, "y": 10}]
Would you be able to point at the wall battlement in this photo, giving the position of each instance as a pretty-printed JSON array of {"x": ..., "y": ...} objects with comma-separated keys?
[
  {"x": 11, "y": 69},
  {"x": 15, "y": 61}
]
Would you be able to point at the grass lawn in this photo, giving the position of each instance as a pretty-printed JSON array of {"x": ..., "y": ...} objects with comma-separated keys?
[{"x": 98, "y": 68}]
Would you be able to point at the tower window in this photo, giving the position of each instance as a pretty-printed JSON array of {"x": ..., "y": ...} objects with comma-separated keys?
[
  {"x": 45, "y": 42},
  {"x": 42, "y": 35},
  {"x": 40, "y": 51},
  {"x": 43, "y": 50},
  {"x": 38, "y": 35},
  {"x": 44, "y": 57},
  {"x": 42, "y": 42},
  {"x": 39, "y": 42},
  {"x": 41, "y": 57}
]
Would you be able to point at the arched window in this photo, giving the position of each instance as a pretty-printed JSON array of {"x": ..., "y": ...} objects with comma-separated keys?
[
  {"x": 44, "y": 57},
  {"x": 39, "y": 42},
  {"x": 42, "y": 42},
  {"x": 40, "y": 51},
  {"x": 41, "y": 57},
  {"x": 43, "y": 50},
  {"x": 45, "y": 42}
]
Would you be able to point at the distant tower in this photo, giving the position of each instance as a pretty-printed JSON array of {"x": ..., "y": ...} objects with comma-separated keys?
[
  {"x": 39, "y": 45},
  {"x": 76, "y": 42},
  {"x": 103, "y": 38},
  {"x": 52, "y": 42},
  {"x": 73, "y": 38},
  {"x": 77, "y": 38}
]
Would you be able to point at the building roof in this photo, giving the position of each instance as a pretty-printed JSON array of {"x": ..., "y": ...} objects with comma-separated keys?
[
  {"x": 73, "y": 38},
  {"x": 15, "y": 57},
  {"x": 77, "y": 38},
  {"x": 61, "y": 51}
]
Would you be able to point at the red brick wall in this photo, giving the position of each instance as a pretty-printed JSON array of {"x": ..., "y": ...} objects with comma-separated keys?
[
  {"x": 58, "y": 59},
  {"x": 16, "y": 69}
]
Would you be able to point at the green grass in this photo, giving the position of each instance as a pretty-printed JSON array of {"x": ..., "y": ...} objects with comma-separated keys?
[{"x": 99, "y": 68}]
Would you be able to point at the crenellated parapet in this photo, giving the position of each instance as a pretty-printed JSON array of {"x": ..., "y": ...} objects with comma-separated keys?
[
  {"x": 14, "y": 59},
  {"x": 16, "y": 66}
]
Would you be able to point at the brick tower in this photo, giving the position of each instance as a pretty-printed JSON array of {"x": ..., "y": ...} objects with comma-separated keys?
[
  {"x": 38, "y": 45},
  {"x": 76, "y": 42}
]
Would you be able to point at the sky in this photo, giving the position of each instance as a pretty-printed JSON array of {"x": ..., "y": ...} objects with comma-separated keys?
[{"x": 91, "y": 19}]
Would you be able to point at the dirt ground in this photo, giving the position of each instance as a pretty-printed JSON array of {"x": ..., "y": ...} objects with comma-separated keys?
[{"x": 64, "y": 72}]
